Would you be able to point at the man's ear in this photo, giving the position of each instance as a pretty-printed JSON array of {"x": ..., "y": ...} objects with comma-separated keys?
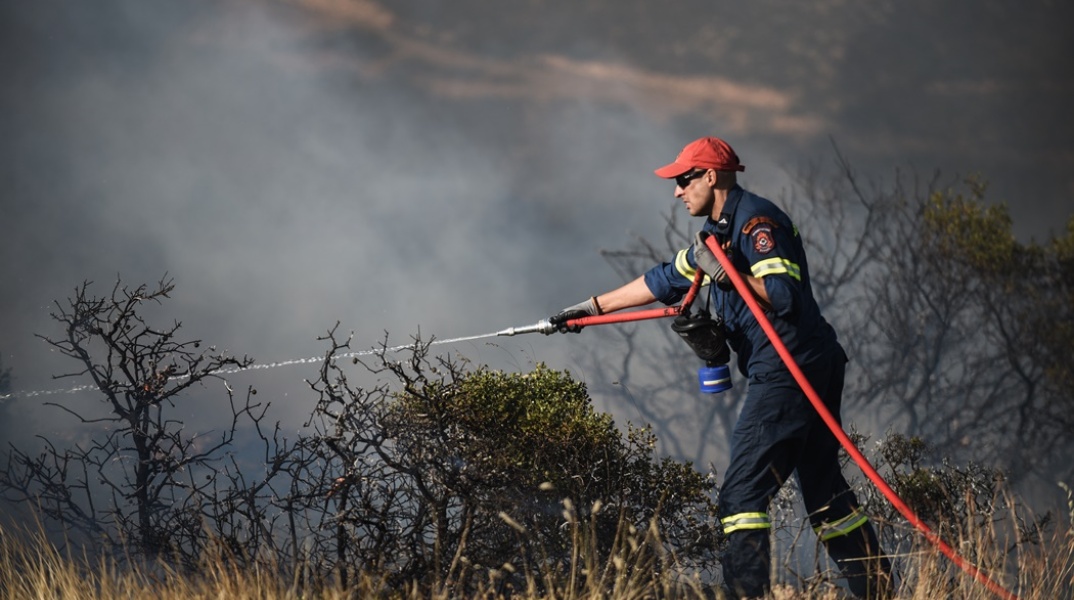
[{"x": 712, "y": 177}]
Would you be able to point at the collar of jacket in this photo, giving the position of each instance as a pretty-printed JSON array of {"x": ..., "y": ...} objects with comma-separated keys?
[{"x": 727, "y": 215}]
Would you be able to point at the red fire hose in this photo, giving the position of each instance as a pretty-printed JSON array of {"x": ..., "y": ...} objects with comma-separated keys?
[
  {"x": 641, "y": 315},
  {"x": 814, "y": 399},
  {"x": 841, "y": 435}
]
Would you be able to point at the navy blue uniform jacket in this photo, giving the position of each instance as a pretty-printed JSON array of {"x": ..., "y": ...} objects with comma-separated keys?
[{"x": 765, "y": 243}]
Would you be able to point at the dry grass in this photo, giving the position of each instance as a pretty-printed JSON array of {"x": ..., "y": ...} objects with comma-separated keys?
[{"x": 1037, "y": 569}]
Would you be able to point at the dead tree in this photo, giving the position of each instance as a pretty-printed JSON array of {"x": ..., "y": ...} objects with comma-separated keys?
[{"x": 136, "y": 479}]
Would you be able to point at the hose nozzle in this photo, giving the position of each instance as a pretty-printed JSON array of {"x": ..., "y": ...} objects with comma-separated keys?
[{"x": 542, "y": 326}]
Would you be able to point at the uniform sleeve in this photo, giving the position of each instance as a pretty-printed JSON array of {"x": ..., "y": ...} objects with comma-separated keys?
[
  {"x": 772, "y": 249},
  {"x": 670, "y": 281}
]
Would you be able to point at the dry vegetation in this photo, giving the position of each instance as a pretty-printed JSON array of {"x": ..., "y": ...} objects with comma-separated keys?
[
  {"x": 452, "y": 482},
  {"x": 1040, "y": 568}
]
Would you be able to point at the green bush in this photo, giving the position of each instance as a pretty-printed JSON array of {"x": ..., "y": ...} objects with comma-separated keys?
[{"x": 452, "y": 472}]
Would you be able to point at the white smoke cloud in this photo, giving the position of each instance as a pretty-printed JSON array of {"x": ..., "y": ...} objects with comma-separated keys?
[{"x": 406, "y": 165}]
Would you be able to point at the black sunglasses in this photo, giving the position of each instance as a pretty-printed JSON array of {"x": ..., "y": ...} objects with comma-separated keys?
[{"x": 684, "y": 180}]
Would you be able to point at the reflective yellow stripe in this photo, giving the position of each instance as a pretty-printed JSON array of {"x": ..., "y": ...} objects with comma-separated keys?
[
  {"x": 742, "y": 521},
  {"x": 854, "y": 520},
  {"x": 775, "y": 266},
  {"x": 683, "y": 267}
]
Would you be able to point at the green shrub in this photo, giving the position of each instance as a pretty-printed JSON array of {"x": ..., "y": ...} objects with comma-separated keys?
[{"x": 451, "y": 472}]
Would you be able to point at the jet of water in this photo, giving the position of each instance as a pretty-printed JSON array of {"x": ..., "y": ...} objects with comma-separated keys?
[{"x": 274, "y": 365}]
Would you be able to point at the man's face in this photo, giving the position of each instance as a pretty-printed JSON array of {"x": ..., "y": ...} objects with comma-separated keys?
[{"x": 695, "y": 190}]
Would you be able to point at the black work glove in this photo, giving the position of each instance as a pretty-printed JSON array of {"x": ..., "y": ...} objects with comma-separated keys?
[
  {"x": 588, "y": 308},
  {"x": 708, "y": 262}
]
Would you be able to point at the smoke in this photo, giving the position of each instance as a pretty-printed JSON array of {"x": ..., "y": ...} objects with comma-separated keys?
[
  {"x": 455, "y": 168},
  {"x": 282, "y": 194}
]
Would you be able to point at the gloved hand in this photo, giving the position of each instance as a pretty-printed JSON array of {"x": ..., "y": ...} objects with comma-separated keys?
[
  {"x": 708, "y": 262},
  {"x": 582, "y": 309}
]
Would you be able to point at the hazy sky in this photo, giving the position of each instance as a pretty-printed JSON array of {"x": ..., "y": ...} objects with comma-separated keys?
[{"x": 457, "y": 166}]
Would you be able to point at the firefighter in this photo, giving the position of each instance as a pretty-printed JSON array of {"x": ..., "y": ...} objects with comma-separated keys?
[{"x": 778, "y": 432}]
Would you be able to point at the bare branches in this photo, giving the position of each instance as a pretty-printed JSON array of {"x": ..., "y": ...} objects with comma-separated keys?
[{"x": 137, "y": 480}]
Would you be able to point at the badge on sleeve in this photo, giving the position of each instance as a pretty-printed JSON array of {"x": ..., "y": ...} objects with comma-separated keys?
[{"x": 760, "y": 231}]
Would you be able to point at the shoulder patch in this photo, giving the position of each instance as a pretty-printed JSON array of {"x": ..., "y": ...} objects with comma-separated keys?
[
  {"x": 763, "y": 242},
  {"x": 760, "y": 230}
]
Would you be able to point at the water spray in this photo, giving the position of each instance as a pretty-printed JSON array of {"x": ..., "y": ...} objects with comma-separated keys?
[{"x": 543, "y": 326}]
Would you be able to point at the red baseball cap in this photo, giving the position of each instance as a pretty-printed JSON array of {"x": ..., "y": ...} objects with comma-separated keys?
[{"x": 704, "y": 153}]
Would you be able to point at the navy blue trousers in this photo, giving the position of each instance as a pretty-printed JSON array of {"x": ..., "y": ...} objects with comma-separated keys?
[{"x": 779, "y": 433}]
